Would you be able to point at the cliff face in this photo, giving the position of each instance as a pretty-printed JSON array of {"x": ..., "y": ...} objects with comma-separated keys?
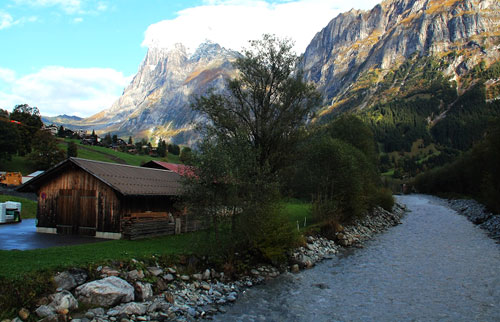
[
  {"x": 156, "y": 103},
  {"x": 359, "y": 41}
]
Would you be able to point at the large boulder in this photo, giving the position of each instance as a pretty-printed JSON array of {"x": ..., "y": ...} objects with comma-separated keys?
[
  {"x": 105, "y": 292},
  {"x": 128, "y": 309},
  {"x": 64, "y": 301}
]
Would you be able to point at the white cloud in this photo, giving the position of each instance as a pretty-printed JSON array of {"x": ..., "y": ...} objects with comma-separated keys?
[
  {"x": 232, "y": 23},
  {"x": 6, "y": 20},
  {"x": 59, "y": 90},
  {"x": 7, "y": 75},
  {"x": 68, "y": 6},
  {"x": 78, "y": 20}
]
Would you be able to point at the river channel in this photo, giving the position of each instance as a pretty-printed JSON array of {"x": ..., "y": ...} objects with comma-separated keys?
[{"x": 435, "y": 266}]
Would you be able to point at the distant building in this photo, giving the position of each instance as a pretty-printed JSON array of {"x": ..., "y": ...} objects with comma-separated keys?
[{"x": 180, "y": 169}]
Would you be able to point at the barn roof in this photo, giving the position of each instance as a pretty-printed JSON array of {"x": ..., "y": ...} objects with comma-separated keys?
[
  {"x": 177, "y": 168},
  {"x": 125, "y": 179}
]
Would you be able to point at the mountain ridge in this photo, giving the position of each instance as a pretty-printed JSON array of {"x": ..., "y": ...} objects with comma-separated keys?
[{"x": 355, "y": 61}]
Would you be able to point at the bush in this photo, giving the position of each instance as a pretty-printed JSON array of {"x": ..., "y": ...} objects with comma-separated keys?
[
  {"x": 269, "y": 232},
  {"x": 384, "y": 199}
]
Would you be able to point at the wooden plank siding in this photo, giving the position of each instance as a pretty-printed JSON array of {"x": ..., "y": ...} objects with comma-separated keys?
[{"x": 75, "y": 202}]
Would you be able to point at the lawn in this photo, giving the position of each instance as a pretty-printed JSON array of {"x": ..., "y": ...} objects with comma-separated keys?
[
  {"x": 100, "y": 153},
  {"x": 15, "y": 263},
  {"x": 28, "y": 207}
]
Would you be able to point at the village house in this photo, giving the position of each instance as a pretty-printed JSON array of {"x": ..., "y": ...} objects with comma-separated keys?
[{"x": 108, "y": 200}]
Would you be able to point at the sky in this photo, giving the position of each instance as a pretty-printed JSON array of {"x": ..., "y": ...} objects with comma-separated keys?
[{"x": 75, "y": 57}]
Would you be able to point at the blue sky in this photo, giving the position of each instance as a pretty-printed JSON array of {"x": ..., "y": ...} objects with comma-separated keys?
[{"x": 76, "y": 56}]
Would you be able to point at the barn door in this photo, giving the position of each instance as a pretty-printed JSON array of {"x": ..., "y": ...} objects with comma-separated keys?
[
  {"x": 64, "y": 217},
  {"x": 87, "y": 213},
  {"x": 76, "y": 212}
]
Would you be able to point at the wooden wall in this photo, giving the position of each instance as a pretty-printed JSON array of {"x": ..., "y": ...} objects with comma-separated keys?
[{"x": 75, "y": 202}]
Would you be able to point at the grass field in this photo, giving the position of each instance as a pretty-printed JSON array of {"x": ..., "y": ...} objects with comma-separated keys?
[
  {"x": 28, "y": 207},
  {"x": 15, "y": 263},
  {"x": 100, "y": 153}
]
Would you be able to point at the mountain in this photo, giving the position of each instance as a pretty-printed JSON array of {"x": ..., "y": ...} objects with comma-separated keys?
[
  {"x": 157, "y": 101},
  {"x": 61, "y": 119},
  {"x": 357, "y": 49},
  {"x": 414, "y": 69},
  {"x": 411, "y": 59}
]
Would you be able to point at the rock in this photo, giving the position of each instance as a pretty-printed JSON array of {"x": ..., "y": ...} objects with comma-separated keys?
[
  {"x": 206, "y": 274},
  {"x": 64, "y": 301},
  {"x": 169, "y": 277},
  {"x": 254, "y": 272},
  {"x": 295, "y": 268},
  {"x": 185, "y": 277},
  {"x": 44, "y": 311},
  {"x": 106, "y": 292},
  {"x": 128, "y": 309},
  {"x": 169, "y": 297},
  {"x": 205, "y": 286},
  {"x": 172, "y": 270},
  {"x": 161, "y": 285},
  {"x": 135, "y": 275},
  {"x": 198, "y": 277},
  {"x": 23, "y": 314},
  {"x": 65, "y": 281},
  {"x": 156, "y": 271},
  {"x": 158, "y": 306},
  {"x": 143, "y": 291},
  {"x": 108, "y": 271}
]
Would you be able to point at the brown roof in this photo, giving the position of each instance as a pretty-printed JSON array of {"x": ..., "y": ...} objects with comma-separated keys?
[{"x": 126, "y": 179}]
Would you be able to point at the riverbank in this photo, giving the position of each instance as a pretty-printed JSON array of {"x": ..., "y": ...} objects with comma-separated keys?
[
  {"x": 477, "y": 213},
  {"x": 138, "y": 292}
]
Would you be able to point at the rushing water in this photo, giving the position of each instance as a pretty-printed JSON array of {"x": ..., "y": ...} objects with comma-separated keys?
[{"x": 436, "y": 266}]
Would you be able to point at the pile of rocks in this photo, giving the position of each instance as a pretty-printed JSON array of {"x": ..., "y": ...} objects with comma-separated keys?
[
  {"x": 478, "y": 214},
  {"x": 165, "y": 294}
]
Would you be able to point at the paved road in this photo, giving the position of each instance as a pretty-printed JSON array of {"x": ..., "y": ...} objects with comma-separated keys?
[{"x": 23, "y": 236}]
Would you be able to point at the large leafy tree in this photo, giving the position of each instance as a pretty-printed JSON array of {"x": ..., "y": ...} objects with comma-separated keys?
[
  {"x": 45, "y": 151},
  {"x": 265, "y": 106},
  {"x": 249, "y": 140},
  {"x": 30, "y": 123},
  {"x": 9, "y": 136}
]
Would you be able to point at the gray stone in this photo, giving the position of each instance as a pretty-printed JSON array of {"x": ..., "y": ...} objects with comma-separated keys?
[
  {"x": 105, "y": 292},
  {"x": 172, "y": 270},
  {"x": 198, "y": 277},
  {"x": 109, "y": 271},
  {"x": 44, "y": 311},
  {"x": 135, "y": 274},
  {"x": 185, "y": 277},
  {"x": 206, "y": 274},
  {"x": 129, "y": 309},
  {"x": 143, "y": 291},
  {"x": 156, "y": 271},
  {"x": 169, "y": 277},
  {"x": 295, "y": 268},
  {"x": 64, "y": 301},
  {"x": 65, "y": 281}
]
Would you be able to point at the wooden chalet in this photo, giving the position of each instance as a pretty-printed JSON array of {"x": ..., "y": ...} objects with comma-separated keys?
[{"x": 108, "y": 200}]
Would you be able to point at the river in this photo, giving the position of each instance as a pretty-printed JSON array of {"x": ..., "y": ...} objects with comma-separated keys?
[{"x": 435, "y": 266}]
